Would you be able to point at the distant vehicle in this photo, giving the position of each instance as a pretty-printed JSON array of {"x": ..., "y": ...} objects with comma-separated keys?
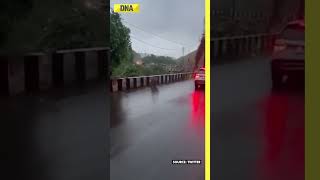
[
  {"x": 288, "y": 54},
  {"x": 199, "y": 78}
]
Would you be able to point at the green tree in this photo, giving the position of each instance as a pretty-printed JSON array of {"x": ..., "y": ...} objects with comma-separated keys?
[
  {"x": 10, "y": 12},
  {"x": 56, "y": 24},
  {"x": 121, "y": 51},
  {"x": 159, "y": 60}
]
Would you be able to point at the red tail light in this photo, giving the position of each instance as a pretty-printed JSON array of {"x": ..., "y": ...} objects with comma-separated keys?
[
  {"x": 193, "y": 75},
  {"x": 279, "y": 46},
  {"x": 197, "y": 76}
]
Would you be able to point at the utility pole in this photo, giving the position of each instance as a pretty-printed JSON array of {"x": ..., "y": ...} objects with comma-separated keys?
[{"x": 183, "y": 52}]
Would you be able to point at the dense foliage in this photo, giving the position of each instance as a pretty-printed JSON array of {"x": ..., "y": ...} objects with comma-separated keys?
[
  {"x": 130, "y": 70},
  {"x": 52, "y": 24},
  {"x": 44, "y": 25},
  {"x": 121, "y": 51},
  {"x": 159, "y": 60},
  {"x": 122, "y": 55},
  {"x": 10, "y": 12}
]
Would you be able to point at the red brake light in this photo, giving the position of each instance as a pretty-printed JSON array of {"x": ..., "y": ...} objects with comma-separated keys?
[
  {"x": 279, "y": 46},
  {"x": 197, "y": 76}
]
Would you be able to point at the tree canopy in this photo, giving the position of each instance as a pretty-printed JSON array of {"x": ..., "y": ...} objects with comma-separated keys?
[
  {"x": 159, "y": 60},
  {"x": 35, "y": 25},
  {"x": 121, "y": 51},
  {"x": 11, "y": 11}
]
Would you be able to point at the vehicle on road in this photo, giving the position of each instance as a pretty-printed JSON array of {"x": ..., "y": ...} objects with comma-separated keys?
[
  {"x": 199, "y": 78},
  {"x": 288, "y": 55}
]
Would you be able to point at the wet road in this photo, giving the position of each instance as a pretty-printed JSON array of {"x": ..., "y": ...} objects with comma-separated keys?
[
  {"x": 156, "y": 129},
  {"x": 256, "y": 133},
  {"x": 59, "y": 135}
]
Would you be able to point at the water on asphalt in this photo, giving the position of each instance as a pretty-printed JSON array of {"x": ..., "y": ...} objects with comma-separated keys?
[
  {"x": 59, "y": 135},
  {"x": 256, "y": 133},
  {"x": 155, "y": 131}
]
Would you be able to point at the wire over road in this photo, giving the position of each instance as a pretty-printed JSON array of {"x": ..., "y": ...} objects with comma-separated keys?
[{"x": 133, "y": 37}]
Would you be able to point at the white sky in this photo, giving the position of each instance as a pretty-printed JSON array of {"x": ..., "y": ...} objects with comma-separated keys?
[{"x": 180, "y": 21}]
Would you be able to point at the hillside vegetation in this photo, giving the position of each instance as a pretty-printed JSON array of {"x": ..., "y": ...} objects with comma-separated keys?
[
  {"x": 47, "y": 25},
  {"x": 33, "y": 25}
]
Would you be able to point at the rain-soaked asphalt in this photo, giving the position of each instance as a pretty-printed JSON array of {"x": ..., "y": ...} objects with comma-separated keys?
[
  {"x": 156, "y": 129},
  {"x": 61, "y": 135},
  {"x": 257, "y": 134}
]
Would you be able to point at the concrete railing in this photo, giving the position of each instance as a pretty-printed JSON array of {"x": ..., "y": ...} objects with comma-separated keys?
[
  {"x": 223, "y": 49},
  {"x": 240, "y": 14},
  {"x": 123, "y": 84},
  {"x": 38, "y": 71}
]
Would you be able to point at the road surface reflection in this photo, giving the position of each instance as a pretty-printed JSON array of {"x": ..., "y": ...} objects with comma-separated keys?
[
  {"x": 283, "y": 137},
  {"x": 198, "y": 108}
]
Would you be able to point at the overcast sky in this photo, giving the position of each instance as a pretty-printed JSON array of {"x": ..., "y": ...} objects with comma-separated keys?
[{"x": 180, "y": 21}]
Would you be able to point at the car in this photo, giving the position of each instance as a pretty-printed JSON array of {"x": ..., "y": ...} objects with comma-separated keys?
[
  {"x": 199, "y": 78},
  {"x": 288, "y": 59}
]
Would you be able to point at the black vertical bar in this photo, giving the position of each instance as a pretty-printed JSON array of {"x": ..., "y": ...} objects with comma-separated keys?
[
  {"x": 57, "y": 70},
  {"x": 231, "y": 48},
  {"x": 265, "y": 48},
  {"x": 263, "y": 44},
  {"x": 269, "y": 43},
  {"x": 241, "y": 46},
  {"x": 135, "y": 83},
  {"x": 31, "y": 73},
  {"x": 102, "y": 56},
  {"x": 260, "y": 41},
  {"x": 148, "y": 81},
  {"x": 111, "y": 85},
  {"x": 212, "y": 53},
  {"x": 220, "y": 48},
  {"x": 249, "y": 45},
  {"x": 245, "y": 46},
  {"x": 257, "y": 45},
  {"x": 119, "y": 81},
  {"x": 237, "y": 48},
  {"x": 80, "y": 66},
  {"x": 141, "y": 81},
  {"x": 106, "y": 71},
  {"x": 127, "y": 83},
  {"x": 4, "y": 76}
]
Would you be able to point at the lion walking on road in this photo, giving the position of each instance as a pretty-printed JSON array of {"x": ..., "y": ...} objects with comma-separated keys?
[{"x": 154, "y": 88}]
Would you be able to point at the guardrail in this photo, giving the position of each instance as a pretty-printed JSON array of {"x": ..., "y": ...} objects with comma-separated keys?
[
  {"x": 240, "y": 46},
  {"x": 33, "y": 72},
  {"x": 123, "y": 84},
  {"x": 37, "y": 71},
  {"x": 240, "y": 14}
]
